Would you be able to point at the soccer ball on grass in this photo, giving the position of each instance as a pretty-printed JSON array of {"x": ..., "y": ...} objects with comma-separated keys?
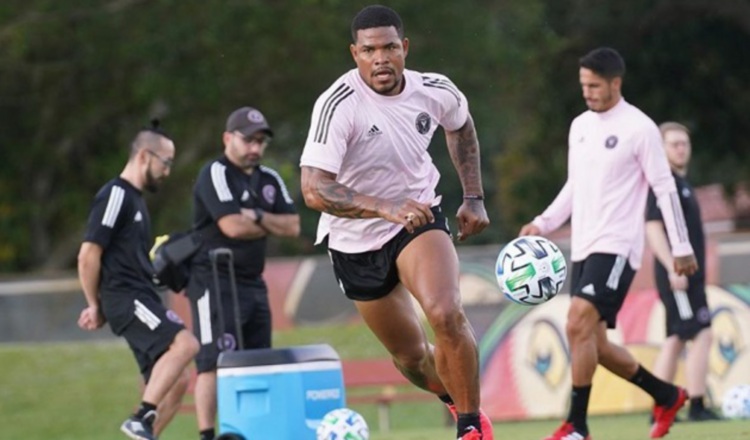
[
  {"x": 530, "y": 270},
  {"x": 736, "y": 402},
  {"x": 343, "y": 424}
]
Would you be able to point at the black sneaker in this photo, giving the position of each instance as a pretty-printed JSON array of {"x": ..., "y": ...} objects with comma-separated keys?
[
  {"x": 140, "y": 428},
  {"x": 703, "y": 415}
]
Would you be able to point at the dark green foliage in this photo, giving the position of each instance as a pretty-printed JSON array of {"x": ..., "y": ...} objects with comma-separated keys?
[{"x": 78, "y": 78}]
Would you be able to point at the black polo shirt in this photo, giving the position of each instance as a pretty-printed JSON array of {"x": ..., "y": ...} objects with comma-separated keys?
[
  {"x": 223, "y": 189},
  {"x": 692, "y": 212},
  {"x": 119, "y": 222}
]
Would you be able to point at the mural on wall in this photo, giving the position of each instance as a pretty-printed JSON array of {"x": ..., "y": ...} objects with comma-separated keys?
[{"x": 524, "y": 358}]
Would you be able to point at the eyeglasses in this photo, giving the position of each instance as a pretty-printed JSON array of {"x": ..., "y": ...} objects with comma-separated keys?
[
  {"x": 262, "y": 140},
  {"x": 166, "y": 162}
]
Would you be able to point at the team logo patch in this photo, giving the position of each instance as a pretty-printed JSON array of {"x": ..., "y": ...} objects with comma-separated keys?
[
  {"x": 254, "y": 116},
  {"x": 704, "y": 315},
  {"x": 423, "y": 123},
  {"x": 174, "y": 317},
  {"x": 611, "y": 142},
  {"x": 226, "y": 342},
  {"x": 269, "y": 193}
]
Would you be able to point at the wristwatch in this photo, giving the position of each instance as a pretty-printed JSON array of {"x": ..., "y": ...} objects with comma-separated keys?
[{"x": 258, "y": 215}]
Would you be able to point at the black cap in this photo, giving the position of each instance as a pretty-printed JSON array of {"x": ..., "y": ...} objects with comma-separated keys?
[{"x": 248, "y": 121}]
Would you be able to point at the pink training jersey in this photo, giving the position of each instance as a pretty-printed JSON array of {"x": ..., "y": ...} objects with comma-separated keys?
[
  {"x": 377, "y": 145},
  {"x": 613, "y": 157}
]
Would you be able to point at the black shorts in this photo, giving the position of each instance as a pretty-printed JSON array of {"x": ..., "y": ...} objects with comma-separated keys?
[
  {"x": 151, "y": 333},
  {"x": 603, "y": 280},
  {"x": 367, "y": 276},
  {"x": 687, "y": 312},
  {"x": 255, "y": 317}
]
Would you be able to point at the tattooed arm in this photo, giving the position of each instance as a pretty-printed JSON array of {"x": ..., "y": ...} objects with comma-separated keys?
[
  {"x": 463, "y": 147},
  {"x": 323, "y": 193}
]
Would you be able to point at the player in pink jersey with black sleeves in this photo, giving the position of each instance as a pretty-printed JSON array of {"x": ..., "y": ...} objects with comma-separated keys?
[
  {"x": 366, "y": 167},
  {"x": 615, "y": 154}
]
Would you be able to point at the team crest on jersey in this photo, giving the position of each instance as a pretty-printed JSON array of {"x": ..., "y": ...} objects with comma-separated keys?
[
  {"x": 269, "y": 193},
  {"x": 685, "y": 193},
  {"x": 174, "y": 317},
  {"x": 423, "y": 123},
  {"x": 611, "y": 142}
]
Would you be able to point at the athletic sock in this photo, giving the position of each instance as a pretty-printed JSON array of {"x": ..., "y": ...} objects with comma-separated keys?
[
  {"x": 144, "y": 409},
  {"x": 446, "y": 399},
  {"x": 466, "y": 420},
  {"x": 208, "y": 434},
  {"x": 663, "y": 393},
  {"x": 579, "y": 404}
]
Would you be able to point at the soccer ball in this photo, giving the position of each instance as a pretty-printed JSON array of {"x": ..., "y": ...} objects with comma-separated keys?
[
  {"x": 343, "y": 424},
  {"x": 530, "y": 270},
  {"x": 736, "y": 402}
]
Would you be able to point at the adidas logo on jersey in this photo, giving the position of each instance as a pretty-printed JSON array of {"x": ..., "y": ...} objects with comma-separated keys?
[
  {"x": 374, "y": 131},
  {"x": 589, "y": 290},
  {"x": 138, "y": 217},
  {"x": 245, "y": 196}
]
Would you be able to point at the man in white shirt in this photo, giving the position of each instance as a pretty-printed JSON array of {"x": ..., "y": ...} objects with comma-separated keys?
[
  {"x": 614, "y": 156},
  {"x": 366, "y": 167}
]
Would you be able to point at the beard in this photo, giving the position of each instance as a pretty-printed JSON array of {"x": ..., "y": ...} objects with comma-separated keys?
[{"x": 152, "y": 183}]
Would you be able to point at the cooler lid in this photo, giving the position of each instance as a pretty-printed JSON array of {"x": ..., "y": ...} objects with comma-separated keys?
[{"x": 277, "y": 356}]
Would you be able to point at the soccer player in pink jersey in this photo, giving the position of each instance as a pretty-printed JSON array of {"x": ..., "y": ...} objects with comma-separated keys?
[
  {"x": 615, "y": 154},
  {"x": 366, "y": 167}
]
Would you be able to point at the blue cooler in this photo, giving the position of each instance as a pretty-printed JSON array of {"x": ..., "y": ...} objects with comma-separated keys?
[{"x": 279, "y": 394}]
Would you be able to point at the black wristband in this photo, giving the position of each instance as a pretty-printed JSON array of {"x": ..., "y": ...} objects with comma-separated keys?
[
  {"x": 473, "y": 197},
  {"x": 258, "y": 215}
]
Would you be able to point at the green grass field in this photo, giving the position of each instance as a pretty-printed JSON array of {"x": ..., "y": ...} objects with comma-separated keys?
[{"x": 83, "y": 392}]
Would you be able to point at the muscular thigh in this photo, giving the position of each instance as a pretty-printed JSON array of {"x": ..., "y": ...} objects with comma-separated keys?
[
  {"x": 428, "y": 267},
  {"x": 393, "y": 319}
]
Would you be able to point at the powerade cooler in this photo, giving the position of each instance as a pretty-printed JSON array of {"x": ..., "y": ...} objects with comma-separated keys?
[{"x": 279, "y": 394}]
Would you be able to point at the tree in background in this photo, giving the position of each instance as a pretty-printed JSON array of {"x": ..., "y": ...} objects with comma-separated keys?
[{"x": 77, "y": 79}]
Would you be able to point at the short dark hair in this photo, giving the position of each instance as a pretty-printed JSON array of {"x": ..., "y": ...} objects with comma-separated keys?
[
  {"x": 605, "y": 62},
  {"x": 376, "y": 16}
]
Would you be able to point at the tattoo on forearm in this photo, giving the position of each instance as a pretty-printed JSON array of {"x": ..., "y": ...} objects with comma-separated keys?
[
  {"x": 339, "y": 200},
  {"x": 464, "y": 150}
]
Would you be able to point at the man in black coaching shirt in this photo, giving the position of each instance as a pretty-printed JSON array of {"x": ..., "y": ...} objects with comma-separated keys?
[
  {"x": 687, "y": 314},
  {"x": 237, "y": 204},
  {"x": 116, "y": 278}
]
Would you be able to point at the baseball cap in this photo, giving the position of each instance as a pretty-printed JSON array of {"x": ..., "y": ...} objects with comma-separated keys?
[{"x": 248, "y": 121}]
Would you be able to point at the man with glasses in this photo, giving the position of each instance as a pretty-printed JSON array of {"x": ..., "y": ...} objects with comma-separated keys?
[
  {"x": 116, "y": 278},
  {"x": 237, "y": 204}
]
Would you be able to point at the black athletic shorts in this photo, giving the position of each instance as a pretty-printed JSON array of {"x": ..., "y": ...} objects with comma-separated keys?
[
  {"x": 367, "y": 276},
  {"x": 255, "y": 316},
  {"x": 603, "y": 280},
  {"x": 687, "y": 312},
  {"x": 151, "y": 333}
]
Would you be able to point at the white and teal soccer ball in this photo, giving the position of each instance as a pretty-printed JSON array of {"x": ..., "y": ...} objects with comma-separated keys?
[
  {"x": 343, "y": 424},
  {"x": 530, "y": 270},
  {"x": 736, "y": 402}
]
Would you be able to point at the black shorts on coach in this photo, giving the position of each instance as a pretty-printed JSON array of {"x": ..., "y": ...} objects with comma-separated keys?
[
  {"x": 687, "y": 312},
  {"x": 603, "y": 280},
  {"x": 371, "y": 275},
  {"x": 254, "y": 313},
  {"x": 151, "y": 332}
]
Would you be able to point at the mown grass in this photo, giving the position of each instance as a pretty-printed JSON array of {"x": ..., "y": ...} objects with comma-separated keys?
[{"x": 83, "y": 391}]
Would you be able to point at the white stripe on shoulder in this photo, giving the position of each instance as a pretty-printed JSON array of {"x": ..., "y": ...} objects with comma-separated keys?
[
  {"x": 116, "y": 196},
  {"x": 282, "y": 185},
  {"x": 219, "y": 179}
]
